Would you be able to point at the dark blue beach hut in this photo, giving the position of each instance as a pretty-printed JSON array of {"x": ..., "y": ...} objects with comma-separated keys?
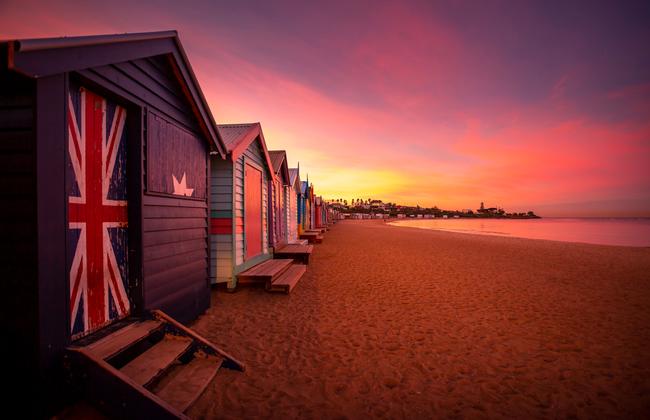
[{"x": 105, "y": 145}]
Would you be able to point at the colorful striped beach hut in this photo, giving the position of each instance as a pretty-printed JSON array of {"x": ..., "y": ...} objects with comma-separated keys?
[
  {"x": 104, "y": 144},
  {"x": 293, "y": 191},
  {"x": 318, "y": 212},
  {"x": 305, "y": 221},
  {"x": 239, "y": 205},
  {"x": 278, "y": 203}
]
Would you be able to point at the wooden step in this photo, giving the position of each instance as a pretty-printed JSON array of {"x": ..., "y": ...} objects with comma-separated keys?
[
  {"x": 288, "y": 280},
  {"x": 266, "y": 271},
  {"x": 147, "y": 366},
  {"x": 121, "y": 339},
  {"x": 312, "y": 238},
  {"x": 185, "y": 383},
  {"x": 299, "y": 253}
]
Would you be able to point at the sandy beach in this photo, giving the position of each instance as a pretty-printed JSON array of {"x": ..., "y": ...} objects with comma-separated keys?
[{"x": 407, "y": 323}]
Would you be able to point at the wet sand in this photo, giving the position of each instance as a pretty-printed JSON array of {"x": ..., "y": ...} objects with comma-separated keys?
[{"x": 407, "y": 323}]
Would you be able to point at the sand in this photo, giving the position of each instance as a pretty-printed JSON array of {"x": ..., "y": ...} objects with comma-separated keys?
[{"x": 407, "y": 323}]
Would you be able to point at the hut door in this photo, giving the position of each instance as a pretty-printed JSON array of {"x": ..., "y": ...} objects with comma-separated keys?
[
  {"x": 253, "y": 212},
  {"x": 97, "y": 212}
]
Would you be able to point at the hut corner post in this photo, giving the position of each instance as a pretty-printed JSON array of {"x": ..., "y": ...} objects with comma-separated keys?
[{"x": 51, "y": 219}]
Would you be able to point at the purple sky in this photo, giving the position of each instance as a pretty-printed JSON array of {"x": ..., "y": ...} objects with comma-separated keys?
[{"x": 526, "y": 105}]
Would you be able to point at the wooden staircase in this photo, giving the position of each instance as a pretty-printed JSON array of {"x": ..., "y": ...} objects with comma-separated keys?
[
  {"x": 147, "y": 367},
  {"x": 277, "y": 275}
]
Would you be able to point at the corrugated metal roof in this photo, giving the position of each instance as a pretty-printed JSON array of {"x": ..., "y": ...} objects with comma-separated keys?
[
  {"x": 233, "y": 134},
  {"x": 277, "y": 156}
]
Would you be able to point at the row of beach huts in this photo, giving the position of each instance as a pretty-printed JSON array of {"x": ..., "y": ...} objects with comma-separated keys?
[{"x": 123, "y": 205}]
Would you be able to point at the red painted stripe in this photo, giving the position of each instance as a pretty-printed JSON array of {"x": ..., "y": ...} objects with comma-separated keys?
[
  {"x": 221, "y": 226},
  {"x": 224, "y": 226}
]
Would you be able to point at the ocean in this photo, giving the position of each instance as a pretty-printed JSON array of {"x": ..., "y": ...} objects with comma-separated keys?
[{"x": 602, "y": 231}]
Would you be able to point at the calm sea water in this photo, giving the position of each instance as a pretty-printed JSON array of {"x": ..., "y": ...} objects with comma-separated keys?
[{"x": 626, "y": 232}]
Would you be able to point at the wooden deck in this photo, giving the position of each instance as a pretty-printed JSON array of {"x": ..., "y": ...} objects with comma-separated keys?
[
  {"x": 264, "y": 272},
  {"x": 279, "y": 275},
  {"x": 153, "y": 367},
  {"x": 312, "y": 237},
  {"x": 299, "y": 253},
  {"x": 316, "y": 230}
]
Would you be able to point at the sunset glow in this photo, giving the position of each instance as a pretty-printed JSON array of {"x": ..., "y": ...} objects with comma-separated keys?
[{"x": 525, "y": 106}]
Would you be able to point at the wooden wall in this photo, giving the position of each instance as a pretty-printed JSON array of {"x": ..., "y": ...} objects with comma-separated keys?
[
  {"x": 18, "y": 265},
  {"x": 292, "y": 214},
  {"x": 221, "y": 233},
  {"x": 253, "y": 154},
  {"x": 174, "y": 230},
  {"x": 227, "y": 216}
]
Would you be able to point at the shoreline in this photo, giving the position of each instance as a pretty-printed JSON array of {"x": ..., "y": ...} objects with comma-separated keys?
[
  {"x": 420, "y": 323},
  {"x": 404, "y": 222}
]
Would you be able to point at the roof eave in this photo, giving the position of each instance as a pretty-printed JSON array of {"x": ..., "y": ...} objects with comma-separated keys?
[{"x": 30, "y": 57}]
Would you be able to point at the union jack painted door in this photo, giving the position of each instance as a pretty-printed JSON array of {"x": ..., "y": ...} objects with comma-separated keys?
[{"x": 97, "y": 211}]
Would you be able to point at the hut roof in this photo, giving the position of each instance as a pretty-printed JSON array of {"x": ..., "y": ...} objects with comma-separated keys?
[
  {"x": 49, "y": 56},
  {"x": 294, "y": 175},
  {"x": 280, "y": 166},
  {"x": 237, "y": 138},
  {"x": 234, "y": 134},
  {"x": 277, "y": 157}
]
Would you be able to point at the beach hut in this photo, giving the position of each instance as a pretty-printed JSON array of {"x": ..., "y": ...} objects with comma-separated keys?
[
  {"x": 306, "y": 206},
  {"x": 104, "y": 145},
  {"x": 278, "y": 205},
  {"x": 239, "y": 206},
  {"x": 293, "y": 191},
  {"x": 318, "y": 212}
]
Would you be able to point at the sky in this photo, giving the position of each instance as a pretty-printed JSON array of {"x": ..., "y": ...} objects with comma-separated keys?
[{"x": 526, "y": 105}]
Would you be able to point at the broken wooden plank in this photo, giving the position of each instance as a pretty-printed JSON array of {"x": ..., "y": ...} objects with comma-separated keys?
[
  {"x": 186, "y": 382},
  {"x": 193, "y": 334}
]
